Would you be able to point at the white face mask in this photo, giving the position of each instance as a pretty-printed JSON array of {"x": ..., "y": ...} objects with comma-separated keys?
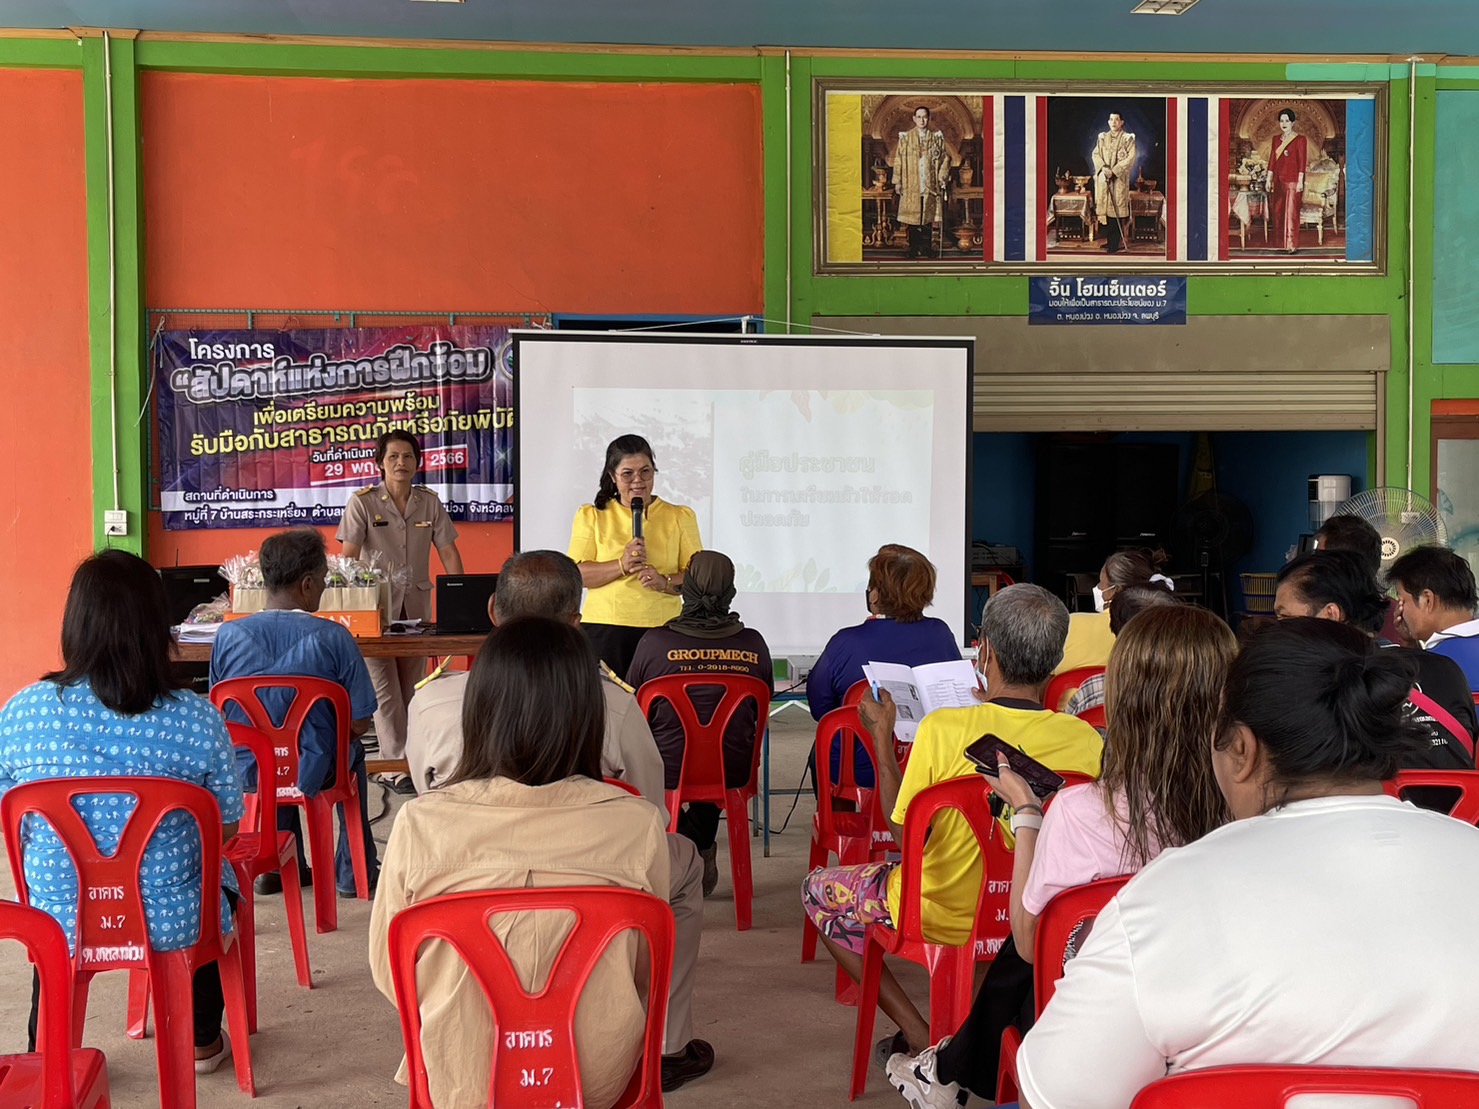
[{"x": 1099, "y": 601}]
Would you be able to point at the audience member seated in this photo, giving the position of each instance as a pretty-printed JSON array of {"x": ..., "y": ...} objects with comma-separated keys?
[
  {"x": 1157, "y": 790},
  {"x": 1128, "y": 602},
  {"x": 286, "y": 639},
  {"x": 116, "y": 708},
  {"x": 1351, "y": 533},
  {"x": 1022, "y": 630},
  {"x": 1257, "y": 944},
  {"x": 1436, "y": 603},
  {"x": 705, "y": 638},
  {"x": 1089, "y": 638},
  {"x": 546, "y": 585},
  {"x": 901, "y": 585},
  {"x": 1337, "y": 585},
  {"x": 526, "y": 806}
]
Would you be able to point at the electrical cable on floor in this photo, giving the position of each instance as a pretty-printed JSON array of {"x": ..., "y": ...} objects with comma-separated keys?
[{"x": 796, "y": 798}]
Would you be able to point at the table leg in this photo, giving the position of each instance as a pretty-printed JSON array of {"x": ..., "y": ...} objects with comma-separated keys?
[{"x": 765, "y": 792}]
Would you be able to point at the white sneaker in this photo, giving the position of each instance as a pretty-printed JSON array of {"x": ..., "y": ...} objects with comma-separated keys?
[
  {"x": 915, "y": 1078},
  {"x": 213, "y": 1063}
]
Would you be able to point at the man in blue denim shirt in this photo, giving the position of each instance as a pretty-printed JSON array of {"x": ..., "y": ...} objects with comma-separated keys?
[{"x": 286, "y": 638}]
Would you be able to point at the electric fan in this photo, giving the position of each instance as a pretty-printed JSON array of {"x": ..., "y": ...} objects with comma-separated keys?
[{"x": 1402, "y": 518}]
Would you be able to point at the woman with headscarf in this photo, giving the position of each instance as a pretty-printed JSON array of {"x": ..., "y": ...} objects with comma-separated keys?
[{"x": 707, "y": 637}]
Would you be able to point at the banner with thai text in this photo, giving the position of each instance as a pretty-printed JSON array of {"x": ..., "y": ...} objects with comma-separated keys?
[{"x": 278, "y": 428}]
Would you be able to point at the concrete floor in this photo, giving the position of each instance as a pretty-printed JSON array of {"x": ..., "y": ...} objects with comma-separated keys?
[{"x": 779, "y": 1037}]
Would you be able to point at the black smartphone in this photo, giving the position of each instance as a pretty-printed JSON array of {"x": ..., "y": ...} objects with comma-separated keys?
[{"x": 984, "y": 751}]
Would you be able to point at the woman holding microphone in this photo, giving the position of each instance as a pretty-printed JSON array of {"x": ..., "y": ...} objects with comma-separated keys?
[
  {"x": 403, "y": 522},
  {"x": 632, "y": 550}
]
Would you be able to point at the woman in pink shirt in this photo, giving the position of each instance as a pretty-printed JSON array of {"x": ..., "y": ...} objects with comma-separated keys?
[{"x": 1162, "y": 691}]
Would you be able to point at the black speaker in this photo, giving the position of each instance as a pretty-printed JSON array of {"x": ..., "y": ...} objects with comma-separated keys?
[
  {"x": 1147, "y": 480},
  {"x": 188, "y": 586},
  {"x": 1074, "y": 510}
]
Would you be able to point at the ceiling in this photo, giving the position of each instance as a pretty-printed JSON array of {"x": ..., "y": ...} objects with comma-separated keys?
[{"x": 1213, "y": 26}]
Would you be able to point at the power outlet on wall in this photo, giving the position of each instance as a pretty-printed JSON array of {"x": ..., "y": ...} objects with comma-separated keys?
[{"x": 115, "y": 522}]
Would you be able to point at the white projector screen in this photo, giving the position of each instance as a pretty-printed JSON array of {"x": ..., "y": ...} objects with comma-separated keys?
[{"x": 800, "y": 456}]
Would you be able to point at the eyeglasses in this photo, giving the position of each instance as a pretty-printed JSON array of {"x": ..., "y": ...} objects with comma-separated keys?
[{"x": 645, "y": 473}]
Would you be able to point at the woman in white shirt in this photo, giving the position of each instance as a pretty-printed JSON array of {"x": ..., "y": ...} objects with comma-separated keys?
[{"x": 1263, "y": 941}]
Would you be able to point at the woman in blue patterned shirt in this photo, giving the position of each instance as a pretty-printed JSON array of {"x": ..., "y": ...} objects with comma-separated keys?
[{"x": 116, "y": 707}]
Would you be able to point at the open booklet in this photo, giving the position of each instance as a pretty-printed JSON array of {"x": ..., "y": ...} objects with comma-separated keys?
[{"x": 922, "y": 689}]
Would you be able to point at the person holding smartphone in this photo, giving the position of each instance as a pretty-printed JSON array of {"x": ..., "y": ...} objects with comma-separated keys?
[{"x": 1157, "y": 790}]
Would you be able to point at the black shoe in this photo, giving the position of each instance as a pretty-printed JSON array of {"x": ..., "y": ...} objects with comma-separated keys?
[
  {"x": 351, "y": 893},
  {"x": 404, "y": 786},
  {"x": 710, "y": 856},
  {"x": 270, "y": 883},
  {"x": 694, "y": 1061}
]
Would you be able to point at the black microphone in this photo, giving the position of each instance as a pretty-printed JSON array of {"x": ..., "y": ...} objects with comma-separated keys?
[{"x": 637, "y": 517}]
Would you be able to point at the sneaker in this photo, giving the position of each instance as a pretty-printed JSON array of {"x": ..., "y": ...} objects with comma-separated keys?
[
  {"x": 403, "y": 786},
  {"x": 213, "y": 1063},
  {"x": 915, "y": 1078},
  {"x": 886, "y": 1048},
  {"x": 710, "y": 856}
]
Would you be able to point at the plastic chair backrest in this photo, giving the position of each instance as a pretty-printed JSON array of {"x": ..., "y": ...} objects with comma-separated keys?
[
  {"x": 111, "y": 928},
  {"x": 1055, "y": 928},
  {"x": 1269, "y": 1087},
  {"x": 46, "y": 945},
  {"x": 1094, "y": 717},
  {"x": 264, "y": 753},
  {"x": 703, "y": 744},
  {"x": 307, "y": 692},
  {"x": 1466, "y": 808},
  {"x": 533, "y": 1050},
  {"x": 967, "y": 797},
  {"x": 859, "y": 689},
  {"x": 620, "y": 784},
  {"x": 843, "y": 726},
  {"x": 1062, "y": 686}
]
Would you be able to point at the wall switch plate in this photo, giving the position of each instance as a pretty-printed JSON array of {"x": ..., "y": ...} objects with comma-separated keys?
[{"x": 115, "y": 522}]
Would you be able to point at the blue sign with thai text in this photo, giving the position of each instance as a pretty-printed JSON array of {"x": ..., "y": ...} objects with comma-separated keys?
[{"x": 1107, "y": 299}]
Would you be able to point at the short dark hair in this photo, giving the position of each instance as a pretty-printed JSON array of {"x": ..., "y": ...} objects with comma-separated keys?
[
  {"x": 1132, "y": 600},
  {"x": 537, "y": 583},
  {"x": 287, "y": 557},
  {"x": 1351, "y": 533},
  {"x": 1448, "y": 575},
  {"x": 623, "y": 446},
  {"x": 115, "y": 634},
  {"x": 533, "y": 710},
  {"x": 922, "y": 108},
  {"x": 1324, "y": 701},
  {"x": 1339, "y": 577},
  {"x": 904, "y": 581},
  {"x": 1288, "y": 112},
  {"x": 395, "y": 435}
]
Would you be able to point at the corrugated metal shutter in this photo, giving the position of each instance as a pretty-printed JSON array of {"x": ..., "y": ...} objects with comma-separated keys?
[{"x": 1217, "y": 373}]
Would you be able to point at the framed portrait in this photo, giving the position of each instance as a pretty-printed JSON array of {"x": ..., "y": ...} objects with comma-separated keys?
[{"x": 1025, "y": 177}]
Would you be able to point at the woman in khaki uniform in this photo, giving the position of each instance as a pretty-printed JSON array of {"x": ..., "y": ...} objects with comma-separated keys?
[{"x": 403, "y": 522}]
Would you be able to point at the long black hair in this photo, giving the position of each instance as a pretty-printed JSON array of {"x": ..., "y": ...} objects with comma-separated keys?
[
  {"x": 115, "y": 634},
  {"x": 533, "y": 710},
  {"x": 1324, "y": 702},
  {"x": 623, "y": 446}
]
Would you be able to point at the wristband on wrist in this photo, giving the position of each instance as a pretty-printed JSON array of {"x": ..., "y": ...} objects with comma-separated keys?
[
  {"x": 1021, "y": 821},
  {"x": 1030, "y": 808}
]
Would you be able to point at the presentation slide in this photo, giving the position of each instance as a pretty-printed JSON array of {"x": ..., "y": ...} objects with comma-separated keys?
[{"x": 800, "y": 457}]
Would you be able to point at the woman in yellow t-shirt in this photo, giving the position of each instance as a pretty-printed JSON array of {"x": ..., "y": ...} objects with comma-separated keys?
[{"x": 632, "y": 584}]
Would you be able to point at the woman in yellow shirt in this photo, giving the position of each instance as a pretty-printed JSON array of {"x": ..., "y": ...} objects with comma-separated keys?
[{"x": 632, "y": 584}]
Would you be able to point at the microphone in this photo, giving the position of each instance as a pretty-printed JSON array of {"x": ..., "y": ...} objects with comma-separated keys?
[{"x": 637, "y": 507}]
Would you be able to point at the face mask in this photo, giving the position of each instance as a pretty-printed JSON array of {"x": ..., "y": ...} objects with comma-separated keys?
[{"x": 1099, "y": 601}]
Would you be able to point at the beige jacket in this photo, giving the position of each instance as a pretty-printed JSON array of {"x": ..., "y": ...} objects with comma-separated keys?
[
  {"x": 434, "y": 737},
  {"x": 498, "y": 834}
]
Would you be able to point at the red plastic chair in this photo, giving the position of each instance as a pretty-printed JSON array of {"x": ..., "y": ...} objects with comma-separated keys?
[
  {"x": 855, "y": 693},
  {"x": 1271, "y": 1087},
  {"x": 56, "y": 1075},
  {"x": 1466, "y": 808},
  {"x": 620, "y": 784},
  {"x": 1063, "y": 686},
  {"x": 534, "y": 1061},
  {"x": 111, "y": 929},
  {"x": 702, "y": 776},
  {"x": 318, "y": 811},
  {"x": 1094, "y": 717},
  {"x": 951, "y": 968},
  {"x": 254, "y": 851},
  {"x": 1060, "y": 917}
]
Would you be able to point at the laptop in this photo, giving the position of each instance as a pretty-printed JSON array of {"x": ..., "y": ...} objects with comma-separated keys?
[{"x": 462, "y": 603}]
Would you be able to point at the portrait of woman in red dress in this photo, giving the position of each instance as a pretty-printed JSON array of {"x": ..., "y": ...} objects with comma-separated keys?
[{"x": 1288, "y": 156}]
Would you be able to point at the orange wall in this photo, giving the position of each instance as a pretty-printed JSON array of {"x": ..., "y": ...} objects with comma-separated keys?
[
  {"x": 46, "y": 489},
  {"x": 278, "y": 192}
]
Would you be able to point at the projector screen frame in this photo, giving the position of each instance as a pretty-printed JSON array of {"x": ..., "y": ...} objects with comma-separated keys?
[{"x": 966, "y": 344}]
